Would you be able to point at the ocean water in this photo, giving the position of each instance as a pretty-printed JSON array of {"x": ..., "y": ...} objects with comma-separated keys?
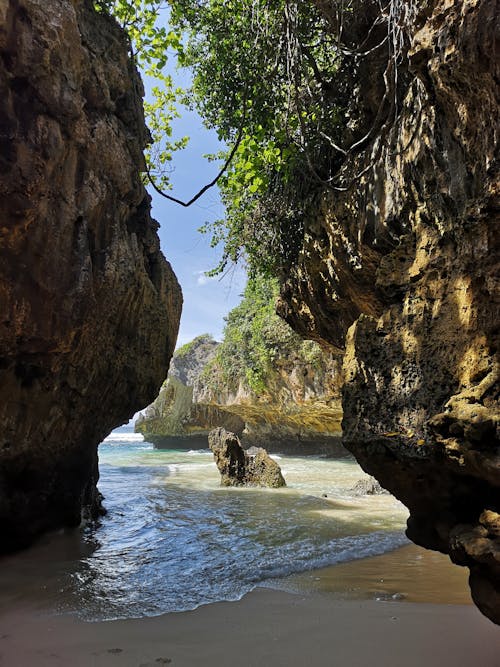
[{"x": 173, "y": 539}]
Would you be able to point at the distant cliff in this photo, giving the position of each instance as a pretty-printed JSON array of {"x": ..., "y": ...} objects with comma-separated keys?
[
  {"x": 400, "y": 270},
  {"x": 262, "y": 381},
  {"x": 176, "y": 419},
  {"x": 89, "y": 307}
]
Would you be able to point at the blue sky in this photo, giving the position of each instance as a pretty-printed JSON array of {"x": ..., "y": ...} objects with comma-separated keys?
[{"x": 206, "y": 300}]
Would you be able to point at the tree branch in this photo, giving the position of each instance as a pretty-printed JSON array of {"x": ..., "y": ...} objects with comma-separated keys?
[{"x": 214, "y": 181}]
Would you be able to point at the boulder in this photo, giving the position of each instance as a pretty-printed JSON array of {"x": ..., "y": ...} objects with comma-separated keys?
[
  {"x": 240, "y": 468},
  {"x": 368, "y": 486}
]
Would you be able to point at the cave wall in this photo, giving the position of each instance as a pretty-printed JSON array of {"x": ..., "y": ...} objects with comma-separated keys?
[
  {"x": 400, "y": 271},
  {"x": 89, "y": 307}
]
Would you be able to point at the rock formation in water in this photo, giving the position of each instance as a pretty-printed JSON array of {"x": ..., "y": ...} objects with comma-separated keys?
[
  {"x": 238, "y": 467},
  {"x": 288, "y": 402},
  {"x": 367, "y": 487},
  {"x": 89, "y": 307},
  {"x": 400, "y": 270}
]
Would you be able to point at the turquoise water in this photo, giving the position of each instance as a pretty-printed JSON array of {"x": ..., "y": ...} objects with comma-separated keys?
[{"x": 173, "y": 539}]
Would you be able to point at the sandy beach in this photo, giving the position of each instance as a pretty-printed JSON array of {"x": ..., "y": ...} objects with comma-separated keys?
[
  {"x": 264, "y": 628},
  {"x": 410, "y": 573},
  {"x": 278, "y": 628}
]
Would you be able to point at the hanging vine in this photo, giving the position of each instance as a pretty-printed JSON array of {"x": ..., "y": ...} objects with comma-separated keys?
[{"x": 276, "y": 82}]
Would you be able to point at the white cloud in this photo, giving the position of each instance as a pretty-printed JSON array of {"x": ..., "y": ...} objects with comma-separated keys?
[{"x": 202, "y": 278}]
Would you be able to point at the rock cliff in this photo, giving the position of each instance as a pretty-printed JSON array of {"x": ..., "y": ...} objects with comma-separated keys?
[
  {"x": 89, "y": 307},
  {"x": 176, "y": 418},
  {"x": 297, "y": 410},
  {"x": 399, "y": 268}
]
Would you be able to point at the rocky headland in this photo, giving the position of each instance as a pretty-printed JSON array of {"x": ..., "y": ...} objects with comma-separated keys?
[
  {"x": 399, "y": 269},
  {"x": 266, "y": 385},
  {"x": 89, "y": 307},
  {"x": 177, "y": 419}
]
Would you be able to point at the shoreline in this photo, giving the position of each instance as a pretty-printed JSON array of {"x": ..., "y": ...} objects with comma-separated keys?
[
  {"x": 310, "y": 626},
  {"x": 409, "y": 573},
  {"x": 266, "y": 627}
]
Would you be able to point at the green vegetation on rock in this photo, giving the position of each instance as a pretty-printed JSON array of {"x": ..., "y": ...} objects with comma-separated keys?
[
  {"x": 187, "y": 348},
  {"x": 256, "y": 342},
  {"x": 262, "y": 379},
  {"x": 264, "y": 78}
]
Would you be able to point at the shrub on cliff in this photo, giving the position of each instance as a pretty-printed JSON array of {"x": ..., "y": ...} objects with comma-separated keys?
[
  {"x": 256, "y": 341},
  {"x": 199, "y": 341}
]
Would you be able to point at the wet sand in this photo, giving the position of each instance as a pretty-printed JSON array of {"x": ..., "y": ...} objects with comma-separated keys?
[
  {"x": 411, "y": 573},
  {"x": 264, "y": 628},
  {"x": 317, "y": 625}
]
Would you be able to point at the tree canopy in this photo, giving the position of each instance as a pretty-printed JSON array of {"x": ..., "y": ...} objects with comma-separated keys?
[
  {"x": 262, "y": 73},
  {"x": 265, "y": 77}
]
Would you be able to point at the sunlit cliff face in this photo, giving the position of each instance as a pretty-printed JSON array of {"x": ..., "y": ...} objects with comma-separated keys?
[
  {"x": 399, "y": 271},
  {"x": 298, "y": 406}
]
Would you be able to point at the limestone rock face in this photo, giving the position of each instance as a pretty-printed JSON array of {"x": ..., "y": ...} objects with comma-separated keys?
[
  {"x": 243, "y": 468},
  {"x": 89, "y": 307},
  {"x": 176, "y": 419},
  {"x": 400, "y": 270},
  {"x": 299, "y": 411}
]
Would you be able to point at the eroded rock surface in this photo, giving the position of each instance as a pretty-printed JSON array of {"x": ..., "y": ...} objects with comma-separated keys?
[
  {"x": 367, "y": 487},
  {"x": 176, "y": 418},
  {"x": 401, "y": 271},
  {"x": 299, "y": 411},
  {"x": 89, "y": 307},
  {"x": 243, "y": 468}
]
